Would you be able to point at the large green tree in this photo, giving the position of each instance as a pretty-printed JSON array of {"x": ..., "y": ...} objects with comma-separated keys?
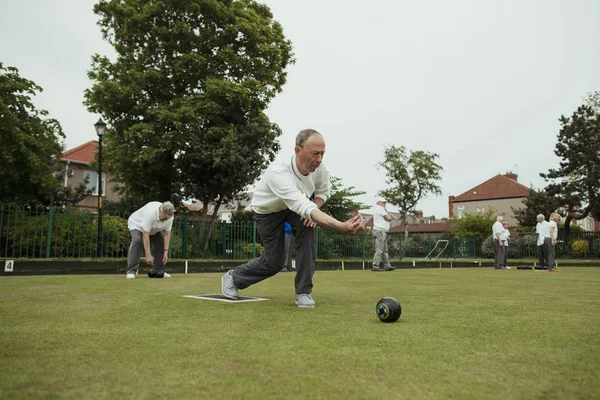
[
  {"x": 186, "y": 96},
  {"x": 411, "y": 175},
  {"x": 29, "y": 143},
  {"x": 342, "y": 203},
  {"x": 536, "y": 202},
  {"x": 577, "y": 179}
]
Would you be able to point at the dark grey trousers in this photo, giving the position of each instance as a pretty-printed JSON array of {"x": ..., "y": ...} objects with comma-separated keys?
[
  {"x": 287, "y": 253},
  {"x": 272, "y": 233},
  {"x": 498, "y": 254},
  {"x": 136, "y": 247},
  {"x": 505, "y": 254},
  {"x": 546, "y": 259},
  {"x": 381, "y": 248}
]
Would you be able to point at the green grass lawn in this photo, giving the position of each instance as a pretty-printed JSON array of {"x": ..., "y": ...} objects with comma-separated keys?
[{"x": 464, "y": 333}]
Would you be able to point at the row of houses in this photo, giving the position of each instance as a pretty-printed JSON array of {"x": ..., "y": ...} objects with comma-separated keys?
[{"x": 501, "y": 193}]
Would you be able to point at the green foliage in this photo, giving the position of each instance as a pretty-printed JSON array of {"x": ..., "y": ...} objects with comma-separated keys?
[
  {"x": 580, "y": 248},
  {"x": 248, "y": 250},
  {"x": 341, "y": 204},
  {"x": 577, "y": 180},
  {"x": 537, "y": 202},
  {"x": 242, "y": 216},
  {"x": 72, "y": 234},
  {"x": 411, "y": 176},
  {"x": 416, "y": 246},
  {"x": 186, "y": 95},
  {"x": 29, "y": 142},
  {"x": 476, "y": 226}
]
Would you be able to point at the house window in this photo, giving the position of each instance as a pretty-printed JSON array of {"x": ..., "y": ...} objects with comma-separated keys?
[
  {"x": 92, "y": 177},
  {"x": 461, "y": 211},
  {"x": 480, "y": 210}
]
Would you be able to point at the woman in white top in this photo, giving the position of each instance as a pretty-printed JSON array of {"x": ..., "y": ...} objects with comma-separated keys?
[{"x": 554, "y": 218}]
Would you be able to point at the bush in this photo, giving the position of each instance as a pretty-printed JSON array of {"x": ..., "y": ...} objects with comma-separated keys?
[
  {"x": 249, "y": 250},
  {"x": 581, "y": 248},
  {"x": 72, "y": 234}
]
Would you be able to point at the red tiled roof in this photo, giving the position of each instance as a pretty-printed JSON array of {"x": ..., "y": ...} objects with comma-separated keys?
[
  {"x": 498, "y": 187},
  {"x": 84, "y": 153},
  {"x": 436, "y": 227}
]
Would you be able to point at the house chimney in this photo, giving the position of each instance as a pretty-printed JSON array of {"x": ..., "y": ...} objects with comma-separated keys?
[
  {"x": 512, "y": 176},
  {"x": 450, "y": 209}
]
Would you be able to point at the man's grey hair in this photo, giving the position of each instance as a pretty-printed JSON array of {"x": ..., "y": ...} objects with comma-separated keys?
[
  {"x": 167, "y": 208},
  {"x": 541, "y": 216},
  {"x": 499, "y": 218},
  {"x": 303, "y": 136}
]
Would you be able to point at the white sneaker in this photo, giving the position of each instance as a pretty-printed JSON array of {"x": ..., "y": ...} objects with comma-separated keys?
[
  {"x": 130, "y": 276},
  {"x": 228, "y": 287},
  {"x": 166, "y": 275},
  {"x": 305, "y": 300}
]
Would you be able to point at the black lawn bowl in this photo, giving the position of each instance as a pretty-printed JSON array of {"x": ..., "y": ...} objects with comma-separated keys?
[
  {"x": 388, "y": 309},
  {"x": 154, "y": 274},
  {"x": 529, "y": 267}
]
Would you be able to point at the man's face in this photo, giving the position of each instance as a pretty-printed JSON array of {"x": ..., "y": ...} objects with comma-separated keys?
[
  {"x": 505, "y": 225},
  {"x": 163, "y": 217},
  {"x": 310, "y": 156},
  {"x": 540, "y": 219}
]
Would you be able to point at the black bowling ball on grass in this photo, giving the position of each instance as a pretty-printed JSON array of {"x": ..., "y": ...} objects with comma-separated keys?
[{"x": 388, "y": 309}]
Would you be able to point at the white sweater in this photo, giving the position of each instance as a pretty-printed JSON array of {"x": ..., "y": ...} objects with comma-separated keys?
[{"x": 282, "y": 187}]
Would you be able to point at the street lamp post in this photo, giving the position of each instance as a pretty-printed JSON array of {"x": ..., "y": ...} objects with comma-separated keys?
[{"x": 100, "y": 129}]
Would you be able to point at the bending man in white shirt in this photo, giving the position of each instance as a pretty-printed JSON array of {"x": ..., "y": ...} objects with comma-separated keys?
[
  {"x": 283, "y": 195},
  {"x": 151, "y": 223}
]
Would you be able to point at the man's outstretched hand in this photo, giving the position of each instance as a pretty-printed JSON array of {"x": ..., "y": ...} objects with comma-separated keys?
[{"x": 354, "y": 225}]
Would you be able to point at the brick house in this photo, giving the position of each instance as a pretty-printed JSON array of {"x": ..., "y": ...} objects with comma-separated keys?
[
  {"x": 501, "y": 193},
  {"x": 76, "y": 163}
]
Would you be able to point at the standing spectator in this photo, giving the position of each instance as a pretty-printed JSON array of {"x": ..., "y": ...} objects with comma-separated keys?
[
  {"x": 544, "y": 242},
  {"x": 497, "y": 231},
  {"x": 287, "y": 252},
  {"x": 553, "y": 224},
  {"x": 381, "y": 226},
  {"x": 151, "y": 223},
  {"x": 505, "y": 235}
]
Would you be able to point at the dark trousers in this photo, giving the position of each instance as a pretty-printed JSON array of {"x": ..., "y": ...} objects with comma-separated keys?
[
  {"x": 506, "y": 254},
  {"x": 136, "y": 247},
  {"x": 498, "y": 254},
  {"x": 287, "y": 253},
  {"x": 546, "y": 253},
  {"x": 271, "y": 230}
]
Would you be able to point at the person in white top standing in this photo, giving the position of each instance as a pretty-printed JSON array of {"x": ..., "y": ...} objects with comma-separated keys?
[
  {"x": 544, "y": 242},
  {"x": 283, "y": 194},
  {"x": 553, "y": 224},
  {"x": 497, "y": 231},
  {"x": 504, "y": 236},
  {"x": 381, "y": 227},
  {"x": 151, "y": 223}
]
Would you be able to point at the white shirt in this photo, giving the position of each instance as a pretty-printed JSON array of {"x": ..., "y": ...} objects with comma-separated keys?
[
  {"x": 146, "y": 219},
  {"x": 379, "y": 222},
  {"x": 283, "y": 187},
  {"x": 504, "y": 235},
  {"x": 553, "y": 224},
  {"x": 543, "y": 231},
  {"x": 498, "y": 227}
]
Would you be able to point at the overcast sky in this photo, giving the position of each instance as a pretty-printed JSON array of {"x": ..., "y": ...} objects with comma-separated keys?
[{"x": 481, "y": 83}]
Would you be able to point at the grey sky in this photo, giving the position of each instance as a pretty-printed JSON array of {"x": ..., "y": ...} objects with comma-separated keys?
[{"x": 482, "y": 83}]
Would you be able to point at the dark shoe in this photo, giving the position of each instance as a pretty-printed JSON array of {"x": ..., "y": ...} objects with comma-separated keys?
[
  {"x": 389, "y": 268},
  {"x": 285, "y": 270},
  {"x": 377, "y": 269}
]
